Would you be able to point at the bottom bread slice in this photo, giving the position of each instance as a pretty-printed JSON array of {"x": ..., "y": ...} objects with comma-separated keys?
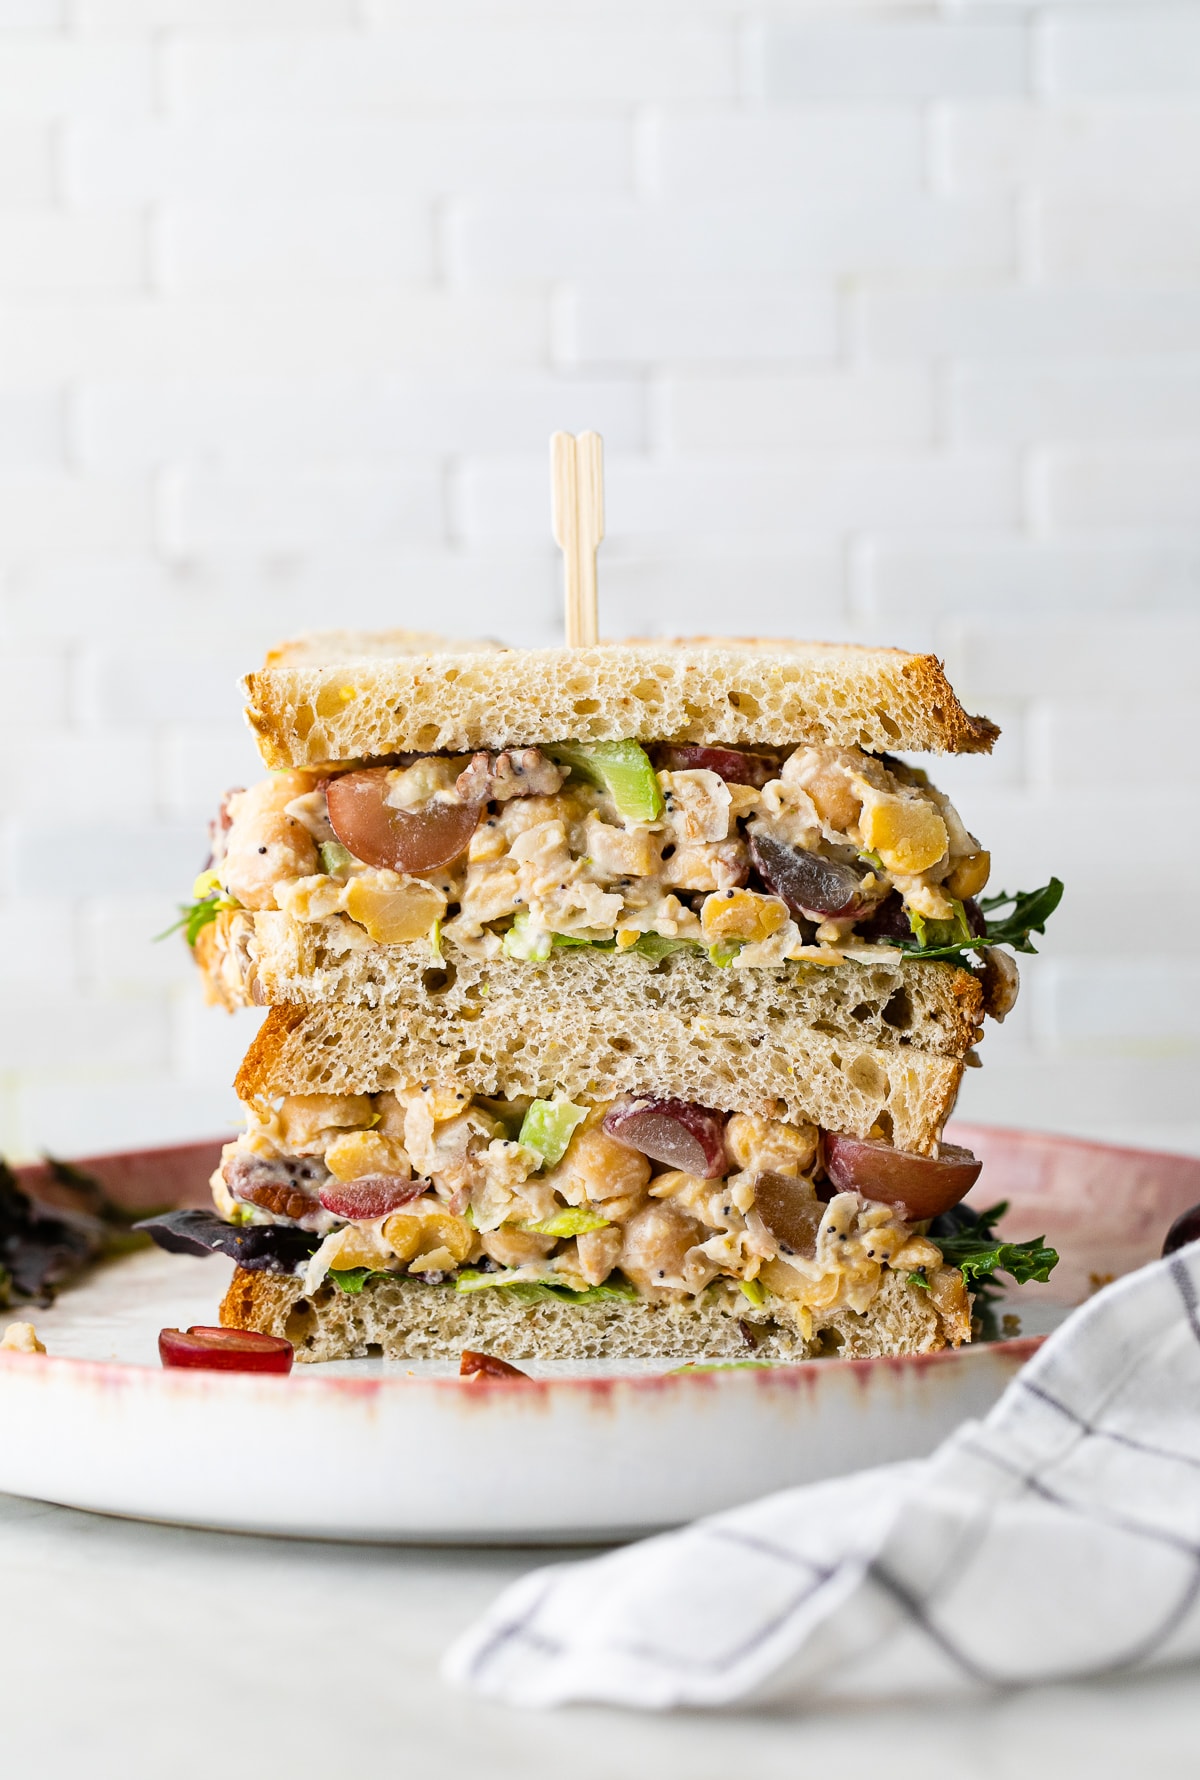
[{"x": 407, "y": 1319}]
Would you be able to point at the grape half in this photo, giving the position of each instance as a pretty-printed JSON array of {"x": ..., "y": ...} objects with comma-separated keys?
[
  {"x": 923, "y": 1186},
  {"x": 224, "y": 1350},
  {"x": 677, "y": 1132},
  {"x": 396, "y": 840},
  {"x": 809, "y": 883}
]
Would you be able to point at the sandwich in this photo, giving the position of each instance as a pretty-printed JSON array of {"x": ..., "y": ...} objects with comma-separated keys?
[{"x": 618, "y": 998}]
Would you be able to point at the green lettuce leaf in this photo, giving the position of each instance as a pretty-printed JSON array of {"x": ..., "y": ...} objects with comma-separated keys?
[
  {"x": 658, "y": 946},
  {"x": 1028, "y": 913},
  {"x": 968, "y": 1239},
  {"x": 532, "y": 1291},
  {"x": 526, "y": 941},
  {"x": 353, "y": 1279},
  {"x": 195, "y": 916},
  {"x": 209, "y": 901},
  {"x": 724, "y": 952}
]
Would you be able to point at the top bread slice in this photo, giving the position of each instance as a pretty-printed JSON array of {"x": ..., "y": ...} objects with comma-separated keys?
[{"x": 345, "y": 696}]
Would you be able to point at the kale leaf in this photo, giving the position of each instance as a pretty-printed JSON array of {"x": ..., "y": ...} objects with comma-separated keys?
[
  {"x": 968, "y": 1239},
  {"x": 1029, "y": 910}
]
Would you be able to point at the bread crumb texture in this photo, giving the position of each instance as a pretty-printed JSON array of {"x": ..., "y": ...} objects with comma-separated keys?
[
  {"x": 307, "y": 709},
  {"x": 406, "y": 1319},
  {"x": 545, "y": 1048},
  {"x": 267, "y": 959}
]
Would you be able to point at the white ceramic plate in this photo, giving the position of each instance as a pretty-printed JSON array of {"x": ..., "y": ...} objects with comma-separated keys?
[{"x": 371, "y": 1450}]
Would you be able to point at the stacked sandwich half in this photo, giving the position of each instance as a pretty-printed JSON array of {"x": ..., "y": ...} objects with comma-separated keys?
[{"x": 618, "y": 998}]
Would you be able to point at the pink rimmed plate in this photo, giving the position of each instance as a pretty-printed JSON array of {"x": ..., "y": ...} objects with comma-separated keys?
[{"x": 371, "y": 1450}]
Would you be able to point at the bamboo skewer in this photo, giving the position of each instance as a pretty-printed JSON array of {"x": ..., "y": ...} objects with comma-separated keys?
[{"x": 577, "y": 501}]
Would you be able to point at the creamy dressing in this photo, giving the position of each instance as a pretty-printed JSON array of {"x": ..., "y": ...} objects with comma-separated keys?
[{"x": 488, "y": 1203}]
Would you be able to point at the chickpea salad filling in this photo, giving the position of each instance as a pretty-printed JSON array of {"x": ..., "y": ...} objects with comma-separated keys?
[
  {"x": 639, "y": 1198},
  {"x": 757, "y": 857}
]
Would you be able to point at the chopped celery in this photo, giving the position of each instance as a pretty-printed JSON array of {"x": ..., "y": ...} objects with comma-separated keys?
[
  {"x": 623, "y": 769},
  {"x": 547, "y": 1129},
  {"x": 334, "y": 857},
  {"x": 724, "y": 952},
  {"x": 753, "y": 1290}
]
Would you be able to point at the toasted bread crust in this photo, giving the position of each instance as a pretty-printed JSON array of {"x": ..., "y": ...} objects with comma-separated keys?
[
  {"x": 312, "y": 648},
  {"x": 409, "y": 1319},
  {"x": 308, "y": 712}
]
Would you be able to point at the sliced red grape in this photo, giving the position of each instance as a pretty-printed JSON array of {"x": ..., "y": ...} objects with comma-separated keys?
[
  {"x": 398, "y": 840},
  {"x": 810, "y": 884},
  {"x": 790, "y": 1209},
  {"x": 677, "y": 1132},
  {"x": 734, "y": 765},
  {"x": 372, "y": 1196},
  {"x": 224, "y": 1350},
  {"x": 924, "y": 1186},
  {"x": 1185, "y": 1229},
  {"x": 473, "y": 1365}
]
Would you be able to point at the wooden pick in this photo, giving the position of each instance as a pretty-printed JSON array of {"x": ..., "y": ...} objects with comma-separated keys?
[{"x": 577, "y": 499}]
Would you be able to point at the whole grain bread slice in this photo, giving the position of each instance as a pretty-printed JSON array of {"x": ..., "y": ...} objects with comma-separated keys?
[
  {"x": 541, "y": 1048},
  {"x": 267, "y": 959},
  {"x": 408, "y": 1319},
  {"x": 336, "y": 698}
]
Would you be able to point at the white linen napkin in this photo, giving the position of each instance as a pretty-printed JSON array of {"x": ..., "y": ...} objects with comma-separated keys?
[{"x": 1059, "y": 1537}]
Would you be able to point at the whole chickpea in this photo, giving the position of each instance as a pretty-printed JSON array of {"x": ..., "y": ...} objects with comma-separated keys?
[
  {"x": 597, "y": 1168},
  {"x": 265, "y": 845}
]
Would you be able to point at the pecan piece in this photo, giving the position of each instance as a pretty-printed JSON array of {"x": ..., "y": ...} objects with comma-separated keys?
[
  {"x": 517, "y": 772},
  {"x": 286, "y": 1186}
]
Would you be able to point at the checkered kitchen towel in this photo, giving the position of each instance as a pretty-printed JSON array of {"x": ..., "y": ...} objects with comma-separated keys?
[{"x": 1059, "y": 1537}]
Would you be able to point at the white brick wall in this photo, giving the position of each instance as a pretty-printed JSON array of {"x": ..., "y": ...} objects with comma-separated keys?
[{"x": 889, "y": 311}]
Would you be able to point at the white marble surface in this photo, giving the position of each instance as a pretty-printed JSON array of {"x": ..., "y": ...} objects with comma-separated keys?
[{"x": 142, "y": 1652}]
